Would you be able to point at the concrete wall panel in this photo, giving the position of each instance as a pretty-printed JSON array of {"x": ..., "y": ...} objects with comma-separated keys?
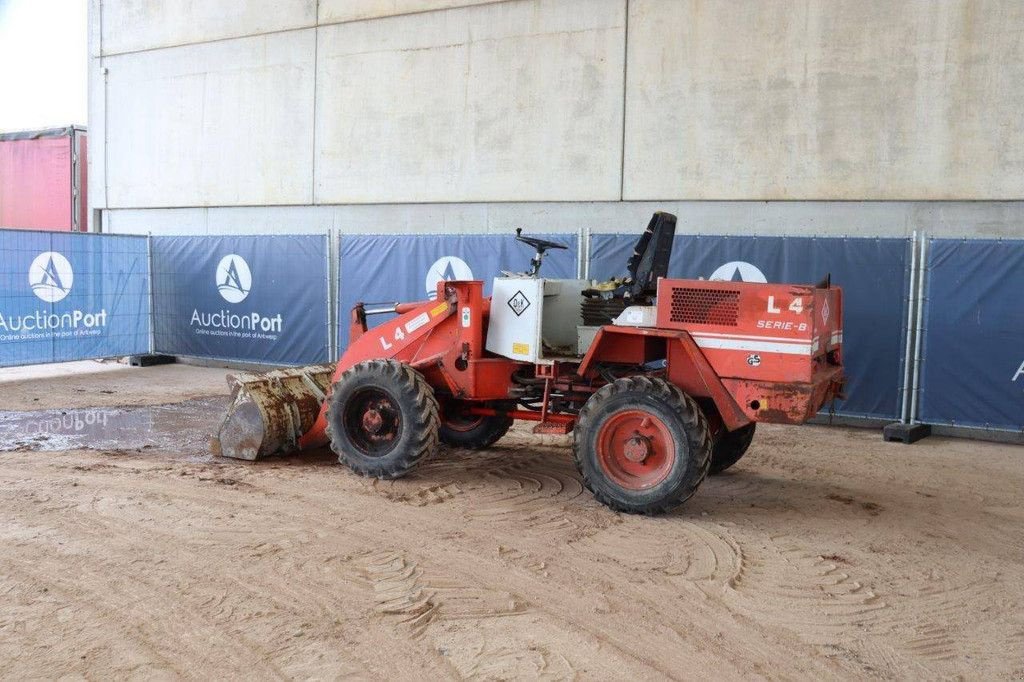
[
  {"x": 130, "y": 25},
  {"x": 161, "y": 221},
  {"x": 224, "y": 123},
  {"x": 332, "y": 11},
  {"x": 513, "y": 101},
  {"x": 97, "y": 189},
  {"x": 96, "y": 192},
  {"x": 825, "y": 99},
  {"x": 970, "y": 219},
  {"x": 93, "y": 37}
]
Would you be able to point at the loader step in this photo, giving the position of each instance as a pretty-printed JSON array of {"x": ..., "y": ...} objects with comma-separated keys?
[{"x": 553, "y": 428}]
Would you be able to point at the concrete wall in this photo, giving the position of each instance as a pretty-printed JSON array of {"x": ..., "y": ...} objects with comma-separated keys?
[
  {"x": 825, "y": 99},
  {"x": 136, "y": 25},
  {"x": 509, "y": 101},
  {"x": 1001, "y": 219},
  {"x": 876, "y": 117},
  {"x": 332, "y": 11},
  {"x": 222, "y": 123}
]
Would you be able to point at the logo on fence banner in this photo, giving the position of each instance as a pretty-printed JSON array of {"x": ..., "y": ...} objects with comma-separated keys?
[
  {"x": 51, "y": 276},
  {"x": 234, "y": 279},
  {"x": 1019, "y": 373},
  {"x": 234, "y": 282},
  {"x": 446, "y": 269},
  {"x": 738, "y": 271}
]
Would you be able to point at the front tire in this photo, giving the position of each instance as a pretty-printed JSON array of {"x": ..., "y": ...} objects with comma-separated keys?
[
  {"x": 642, "y": 445},
  {"x": 383, "y": 418}
]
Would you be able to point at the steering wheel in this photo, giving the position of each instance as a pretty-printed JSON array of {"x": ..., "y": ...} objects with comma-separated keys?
[{"x": 541, "y": 245}]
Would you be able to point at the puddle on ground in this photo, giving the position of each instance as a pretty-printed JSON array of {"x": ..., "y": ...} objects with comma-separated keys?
[{"x": 184, "y": 428}]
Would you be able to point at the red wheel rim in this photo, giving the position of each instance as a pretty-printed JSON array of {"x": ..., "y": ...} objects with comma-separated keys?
[{"x": 635, "y": 449}]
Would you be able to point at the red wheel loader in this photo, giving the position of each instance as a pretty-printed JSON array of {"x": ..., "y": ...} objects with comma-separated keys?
[{"x": 660, "y": 381}]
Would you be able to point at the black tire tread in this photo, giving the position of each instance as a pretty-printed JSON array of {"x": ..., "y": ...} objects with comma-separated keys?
[
  {"x": 489, "y": 432},
  {"x": 694, "y": 421},
  {"x": 424, "y": 440}
]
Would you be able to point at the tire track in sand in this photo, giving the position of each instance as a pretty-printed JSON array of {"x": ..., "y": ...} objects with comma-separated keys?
[
  {"x": 680, "y": 550},
  {"x": 936, "y": 633},
  {"x": 786, "y": 584},
  {"x": 526, "y": 493},
  {"x": 409, "y": 492},
  {"x": 805, "y": 590},
  {"x": 403, "y": 591},
  {"x": 499, "y": 661},
  {"x": 430, "y": 606}
]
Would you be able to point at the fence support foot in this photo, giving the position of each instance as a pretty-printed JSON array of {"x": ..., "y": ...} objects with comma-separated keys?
[
  {"x": 149, "y": 360},
  {"x": 905, "y": 433}
]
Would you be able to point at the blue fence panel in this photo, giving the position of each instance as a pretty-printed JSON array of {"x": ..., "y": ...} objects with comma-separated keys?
[
  {"x": 973, "y": 344},
  {"x": 397, "y": 268},
  {"x": 873, "y": 274},
  {"x": 260, "y": 299},
  {"x": 67, "y": 296}
]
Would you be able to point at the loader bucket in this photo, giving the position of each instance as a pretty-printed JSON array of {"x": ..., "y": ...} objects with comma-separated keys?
[{"x": 269, "y": 412}]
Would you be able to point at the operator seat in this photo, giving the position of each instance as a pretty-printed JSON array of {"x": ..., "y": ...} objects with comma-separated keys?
[{"x": 603, "y": 302}]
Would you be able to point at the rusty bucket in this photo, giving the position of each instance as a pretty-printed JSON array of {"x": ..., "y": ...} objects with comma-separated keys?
[{"x": 269, "y": 412}]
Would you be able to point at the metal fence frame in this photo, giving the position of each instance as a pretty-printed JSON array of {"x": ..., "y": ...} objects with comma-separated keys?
[
  {"x": 329, "y": 337},
  {"x": 920, "y": 328},
  {"x": 60, "y": 234},
  {"x": 910, "y": 385}
]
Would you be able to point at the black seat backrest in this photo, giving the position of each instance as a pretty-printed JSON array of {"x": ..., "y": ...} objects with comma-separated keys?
[{"x": 651, "y": 255}]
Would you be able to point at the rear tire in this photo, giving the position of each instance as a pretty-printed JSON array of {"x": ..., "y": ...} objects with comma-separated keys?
[
  {"x": 470, "y": 431},
  {"x": 730, "y": 446},
  {"x": 382, "y": 419},
  {"x": 642, "y": 445}
]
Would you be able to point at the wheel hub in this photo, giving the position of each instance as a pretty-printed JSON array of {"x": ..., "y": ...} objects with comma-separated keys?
[
  {"x": 372, "y": 421},
  {"x": 637, "y": 448}
]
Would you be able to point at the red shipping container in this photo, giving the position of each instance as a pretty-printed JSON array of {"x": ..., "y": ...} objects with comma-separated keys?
[{"x": 43, "y": 179}]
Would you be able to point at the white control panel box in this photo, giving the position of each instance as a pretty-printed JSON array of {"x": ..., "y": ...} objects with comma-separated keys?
[{"x": 535, "y": 320}]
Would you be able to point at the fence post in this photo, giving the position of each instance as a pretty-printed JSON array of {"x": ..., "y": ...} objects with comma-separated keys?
[
  {"x": 331, "y": 301},
  {"x": 918, "y": 327},
  {"x": 581, "y": 255},
  {"x": 149, "y": 284},
  {"x": 909, "y": 333}
]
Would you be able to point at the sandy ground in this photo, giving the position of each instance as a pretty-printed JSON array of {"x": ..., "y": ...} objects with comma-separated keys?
[
  {"x": 92, "y": 383},
  {"x": 825, "y": 553}
]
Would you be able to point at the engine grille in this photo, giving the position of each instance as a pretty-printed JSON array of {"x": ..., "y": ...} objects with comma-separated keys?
[{"x": 691, "y": 305}]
